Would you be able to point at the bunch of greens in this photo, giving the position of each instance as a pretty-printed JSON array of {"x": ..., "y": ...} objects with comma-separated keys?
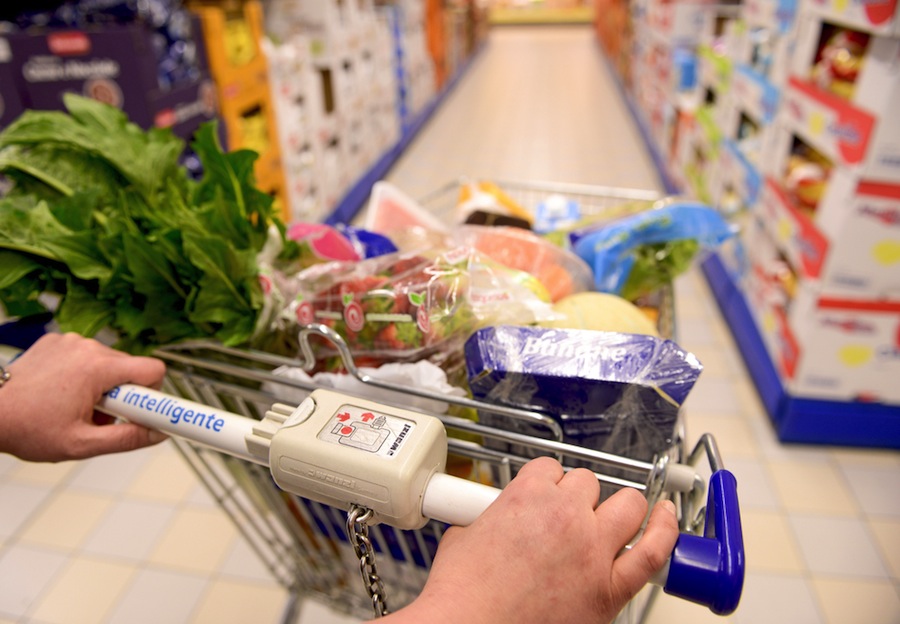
[
  {"x": 658, "y": 264},
  {"x": 102, "y": 218}
]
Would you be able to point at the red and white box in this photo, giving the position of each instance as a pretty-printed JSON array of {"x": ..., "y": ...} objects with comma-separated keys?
[
  {"x": 825, "y": 347},
  {"x": 843, "y": 349},
  {"x": 862, "y": 130},
  {"x": 851, "y": 246},
  {"x": 874, "y": 16}
]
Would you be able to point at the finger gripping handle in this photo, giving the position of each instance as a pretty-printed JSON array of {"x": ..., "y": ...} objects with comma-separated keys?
[{"x": 709, "y": 570}]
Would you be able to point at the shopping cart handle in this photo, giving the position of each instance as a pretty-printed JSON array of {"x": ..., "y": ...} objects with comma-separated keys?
[{"x": 709, "y": 570}]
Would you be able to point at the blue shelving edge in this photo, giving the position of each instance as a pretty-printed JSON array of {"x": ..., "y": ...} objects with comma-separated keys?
[
  {"x": 355, "y": 198},
  {"x": 796, "y": 419}
]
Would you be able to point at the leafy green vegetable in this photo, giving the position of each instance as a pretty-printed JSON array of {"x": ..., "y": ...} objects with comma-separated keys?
[
  {"x": 102, "y": 216},
  {"x": 656, "y": 265}
]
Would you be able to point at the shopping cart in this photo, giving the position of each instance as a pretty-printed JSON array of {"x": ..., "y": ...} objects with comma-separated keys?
[
  {"x": 317, "y": 550},
  {"x": 291, "y": 501},
  {"x": 316, "y": 542}
]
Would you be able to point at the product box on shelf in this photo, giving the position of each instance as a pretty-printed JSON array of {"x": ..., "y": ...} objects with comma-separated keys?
[
  {"x": 774, "y": 15},
  {"x": 715, "y": 69},
  {"x": 701, "y": 155},
  {"x": 232, "y": 36},
  {"x": 723, "y": 29},
  {"x": 843, "y": 95},
  {"x": 338, "y": 32},
  {"x": 850, "y": 246},
  {"x": 824, "y": 347},
  {"x": 11, "y": 105},
  {"x": 755, "y": 95},
  {"x": 250, "y": 123},
  {"x": 874, "y": 16},
  {"x": 292, "y": 93},
  {"x": 738, "y": 182},
  {"x": 679, "y": 23},
  {"x": 115, "y": 64}
]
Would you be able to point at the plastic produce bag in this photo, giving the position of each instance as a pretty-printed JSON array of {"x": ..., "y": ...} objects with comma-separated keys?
[
  {"x": 423, "y": 375},
  {"x": 614, "y": 392},
  {"x": 561, "y": 272},
  {"x": 404, "y": 306},
  {"x": 637, "y": 254}
]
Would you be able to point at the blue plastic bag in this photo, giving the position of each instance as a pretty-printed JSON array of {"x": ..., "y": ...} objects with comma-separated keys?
[{"x": 610, "y": 250}]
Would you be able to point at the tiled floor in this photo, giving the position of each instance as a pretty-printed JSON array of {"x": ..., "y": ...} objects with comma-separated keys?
[{"x": 134, "y": 538}]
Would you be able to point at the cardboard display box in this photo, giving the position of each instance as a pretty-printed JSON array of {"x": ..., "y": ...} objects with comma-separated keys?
[
  {"x": 859, "y": 127},
  {"x": 826, "y": 348},
  {"x": 114, "y": 64},
  {"x": 851, "y": 247}
]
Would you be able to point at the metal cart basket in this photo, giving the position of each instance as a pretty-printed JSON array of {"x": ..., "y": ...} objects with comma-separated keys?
[{"x": 306, "y": 545}]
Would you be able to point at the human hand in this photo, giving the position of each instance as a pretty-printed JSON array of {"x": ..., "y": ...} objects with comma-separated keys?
[
  {"x": 47, "y": 406},
  {"x": 542, "y": 554}
]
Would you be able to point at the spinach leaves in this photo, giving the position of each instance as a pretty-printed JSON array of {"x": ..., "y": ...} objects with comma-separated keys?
[{"x": 103, "y": 220}]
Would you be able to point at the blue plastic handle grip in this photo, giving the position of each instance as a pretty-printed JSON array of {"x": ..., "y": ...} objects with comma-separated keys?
[{"x": 709, "y": 570}]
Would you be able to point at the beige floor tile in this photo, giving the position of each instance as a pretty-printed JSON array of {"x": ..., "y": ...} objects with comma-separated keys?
[
  {"x": 231, "y": 602},
  {"x": 769, "y": 544},
  {"x": 42, "y": 473},
  {"x": 197, "y": 540},
  {"x": 671, "y": 610},
  {"x": 67, "y": 520},
  {"x": 847, "y": 600},
  {"x": 718, "y": 362},
  {"x": 876, "y": 458},
  {"x": 733, "y": 436},
  {"x": 812, "y": 487},
  {"x": 165, "y": 478},
  {"x": 887, "y": 537},
  {"x": 84, "y": 593}
]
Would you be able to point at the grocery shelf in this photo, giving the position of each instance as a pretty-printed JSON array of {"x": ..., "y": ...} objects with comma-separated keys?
[
  {"x": 798, "y": 419},
  {"x": 795, "y": 419},
  {"x": 355, "y": 198}
]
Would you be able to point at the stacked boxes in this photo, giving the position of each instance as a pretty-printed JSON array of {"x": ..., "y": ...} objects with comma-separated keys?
[
  {"x": 335, "y": 97},
  {"x": 760, "y": 57},
  {"x": 831, "y": 205},
  {"x": 413, "y": 65},
  {"x": 349, "y": 81},
  {"x": 699, "y": 152},
  {"x": 811, "y": 150},
  {"x": 232, "y": 32},
  {"x": 663, "y": 73},
  {"x": 796, "y": 136}
]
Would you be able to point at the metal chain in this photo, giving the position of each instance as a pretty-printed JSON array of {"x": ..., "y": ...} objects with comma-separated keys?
[{"x": 358, "y": 531}]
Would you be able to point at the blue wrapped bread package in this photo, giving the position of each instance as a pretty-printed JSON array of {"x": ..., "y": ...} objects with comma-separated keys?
[{"x": 614, "y": 392}]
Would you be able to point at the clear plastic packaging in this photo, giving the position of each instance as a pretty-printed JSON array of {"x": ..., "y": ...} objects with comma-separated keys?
[
  {"x": 561, "y": 272},
  {"x": 609, "y": 391},
  {"x": 405, "y": 306}
]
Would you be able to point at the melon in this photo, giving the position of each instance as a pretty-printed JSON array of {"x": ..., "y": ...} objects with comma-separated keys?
[{"x": 600, "y": 312}]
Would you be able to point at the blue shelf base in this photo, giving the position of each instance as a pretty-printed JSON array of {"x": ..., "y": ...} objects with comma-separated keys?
[
  {"x": 355, "y": 198},
  {"x": 796, "y": 419}
]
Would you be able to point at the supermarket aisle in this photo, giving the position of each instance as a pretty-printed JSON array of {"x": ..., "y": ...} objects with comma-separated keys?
[
  {"x": 135, "y": 538},
  {"x": 538, "y": 105}
]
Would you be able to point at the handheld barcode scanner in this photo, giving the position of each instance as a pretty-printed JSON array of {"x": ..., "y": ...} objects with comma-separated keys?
[
  {"x": 339, "y": 450},
  {"x": 346, "y": 451}
]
